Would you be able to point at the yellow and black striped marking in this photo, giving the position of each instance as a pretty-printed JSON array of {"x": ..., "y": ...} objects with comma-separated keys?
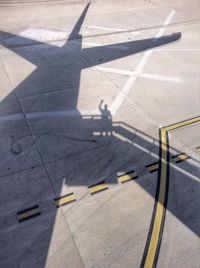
[
  {"x": 180, "y": 157},
  {"x": 131, "y": 175},
  {"x": 153, "y": 167},
  {"x": 198, "y": 149},
  {"x": 28, "y": 213},
  {"x": 99, "y": 187},
  {"x": 65, "y": 199},
  {"x": 154, "y": 238}
]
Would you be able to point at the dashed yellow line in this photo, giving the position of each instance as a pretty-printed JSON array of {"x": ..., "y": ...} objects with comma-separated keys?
[
  {"x": 198, "y": 150},
  {"x": 28, "y": 213},
  {"x": 180, "y": 157},
  {"x": 99, "y": 187},
  {"x": 153, "y": 167},
  {"x": 64, "y": 200},
  {"x": 155, "y": 233},
  {"x": 128, "y": 176}
]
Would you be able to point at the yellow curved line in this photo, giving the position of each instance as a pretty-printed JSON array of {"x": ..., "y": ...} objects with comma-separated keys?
[{"x": 151, "y": 253}]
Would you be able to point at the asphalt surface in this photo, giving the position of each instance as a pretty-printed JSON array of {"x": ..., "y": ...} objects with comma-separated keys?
[{"x": 99, "y": 134}]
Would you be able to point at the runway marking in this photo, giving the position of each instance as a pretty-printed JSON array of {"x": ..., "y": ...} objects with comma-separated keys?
[
  {"x": 92, "y": 44},
  {"x": 138, "y": 74},
  {"x": 120, "y": 98},
  {"x": 153, "y": 167},
  {"x": 154, "y": 238},
  {"x": 180, "y": 157},
  {"x": 113, "y": 70},
  {"x": 28, "y": 213},
  {"x": 167, "y": 21},
  {"x": 161, "y": 78},
  {"x": 42, "y": 34},
  {"x": 99, "y": 187},
  {"x": 102, "y": 28},
  {"x": 128, "y": 176},
  {"x": 198, "y": 150},
  {"x": 12, "y": 117},
  {"x": 64, "y": 200}
]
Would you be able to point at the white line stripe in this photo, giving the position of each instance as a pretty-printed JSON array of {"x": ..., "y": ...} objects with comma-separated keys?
[
  {"x": 127, "y": 87},
  {"x": 12, "y": 117},
  {"x": 92, "y": 44},
  {"x": 144, "y": 75},
  {"x": 69, "y": 113},
  {"x": 132, "y": 30},
  {"x": 103, "y": 28},
  {"x": 177, "y": 49},
  {"x": 112, "y": 70},
  {"x": 34, "y": 115},
  {"x": 161, "y": 78},
  {"x": 167, "y": 21},
  {"x": 112, "y": 46}
]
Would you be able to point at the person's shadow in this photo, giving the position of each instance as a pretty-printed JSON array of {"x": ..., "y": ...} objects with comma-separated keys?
[{"x": 106, "y": 119}]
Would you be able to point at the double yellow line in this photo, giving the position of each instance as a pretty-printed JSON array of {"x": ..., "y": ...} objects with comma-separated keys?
[{"x": 152, "y": 247}]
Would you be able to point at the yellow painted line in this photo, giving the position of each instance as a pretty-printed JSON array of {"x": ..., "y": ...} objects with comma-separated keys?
[
  {"x": 153, "y": 167},
  {"x": 152, "y": 247},
  {"x": 183, "y": 124},
  {"x": 64, "y": 200},
  {"x": 128, "y": 176},
  {"x": 28, "y": 213},
  {"x": 94, "y": 189},
  {"x": 180, "y": 157},
  {"x": 198, "y": 150}
]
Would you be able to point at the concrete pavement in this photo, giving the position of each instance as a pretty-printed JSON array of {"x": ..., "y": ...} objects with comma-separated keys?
[{"x": 88, "y": 95}]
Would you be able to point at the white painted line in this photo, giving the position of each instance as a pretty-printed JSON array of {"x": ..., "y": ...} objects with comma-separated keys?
[
  {"x": 144, "y": 75},
  {"x": 91, "y": 44},
  {"x": 42, "y": 34},
  {"x": 111, "y": 46},
  {"x": 12, "y": 117},
  {"x": 111, "y": 29},
  {"x": 69, "y": 113},
  {"x": 36, "y": 115},
  {"x": 167, "y": 21},
  {"x": 112, "y": 70},
  {"x": 161, "y": 78},
  {"x": 103, "y": 28},
  {"x": 120, "y": 98},
  {"x": 177, "y": 49}
]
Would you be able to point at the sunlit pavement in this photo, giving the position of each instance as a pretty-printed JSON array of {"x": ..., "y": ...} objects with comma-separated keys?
[{"x": 99, "y": 134}]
